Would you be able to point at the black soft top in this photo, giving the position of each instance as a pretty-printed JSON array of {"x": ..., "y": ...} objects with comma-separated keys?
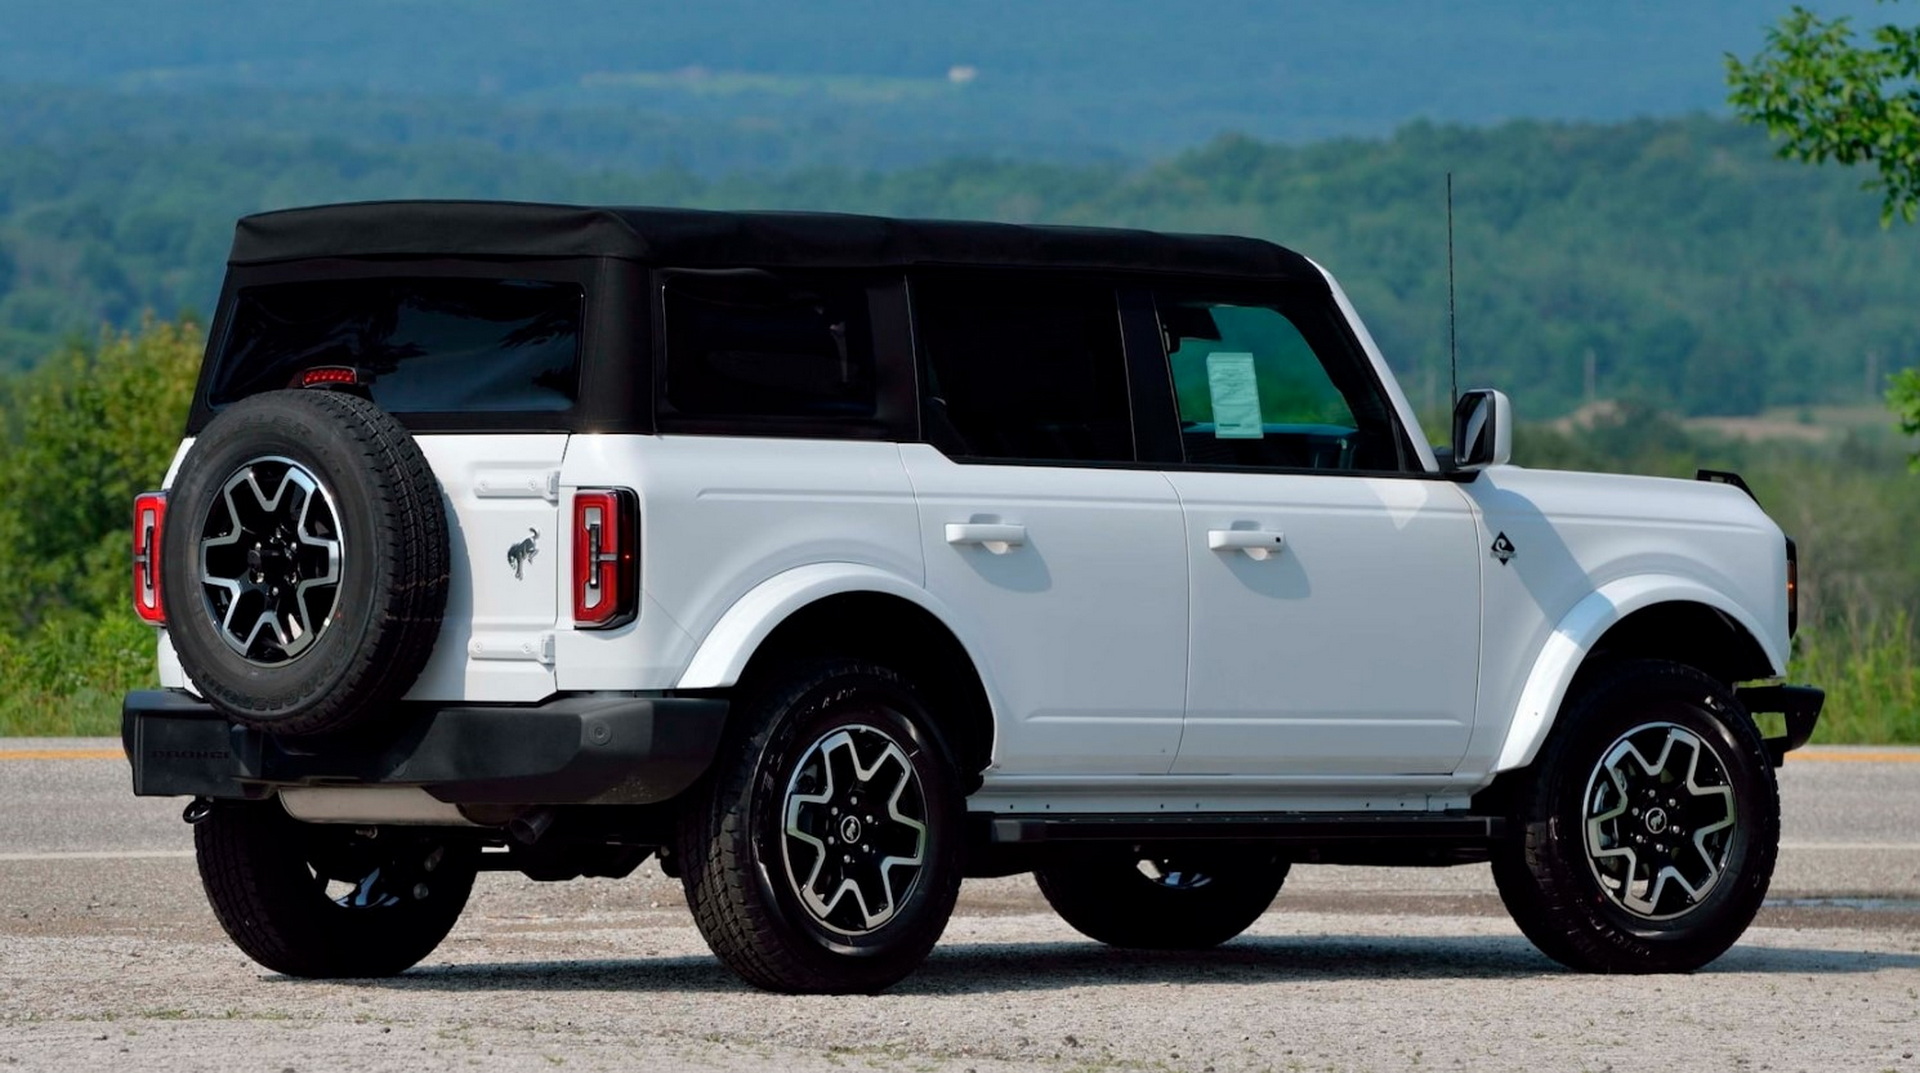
[{"x": 700, "y": 238}]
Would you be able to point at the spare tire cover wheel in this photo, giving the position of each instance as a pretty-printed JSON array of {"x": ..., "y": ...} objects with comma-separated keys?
[{"x": 306, "y": 565}]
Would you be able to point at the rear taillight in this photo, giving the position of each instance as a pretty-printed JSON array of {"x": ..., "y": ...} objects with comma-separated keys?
[
  {"x": 606, "y": 566},
  {"x": 149, "y": 524},
  {"x": 1793, "y": 588}
]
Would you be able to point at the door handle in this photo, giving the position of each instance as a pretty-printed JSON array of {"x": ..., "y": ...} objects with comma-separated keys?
[
  {"x": 1256, "y": 543},
  {"x": 996, "y": 537}
]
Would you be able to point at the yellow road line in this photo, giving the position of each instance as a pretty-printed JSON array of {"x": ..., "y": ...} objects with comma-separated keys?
[
  {"x": 62, "y": 754},
  {"x": 1863, "y": 756}
]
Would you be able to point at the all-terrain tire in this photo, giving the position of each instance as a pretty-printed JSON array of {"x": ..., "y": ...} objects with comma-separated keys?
[
  {"x": 1587, "y": 889},
  {"x": 761, "y": 841},
  {"x": 1193, "y": 901},
  {"x": 266, "y": 876},
  {"x": 341, "y": 651}
]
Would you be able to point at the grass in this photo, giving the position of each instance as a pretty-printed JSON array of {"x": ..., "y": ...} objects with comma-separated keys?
[{"x": 1871, "y": 672}]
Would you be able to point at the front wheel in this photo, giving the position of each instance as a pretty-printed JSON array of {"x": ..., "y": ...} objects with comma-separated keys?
[
  {"x": 825, "y": 857},
  {"x": 1647, "y": 839},
  {"x": 1188, "y": 900},
  {"x": 322, "y": 900}
]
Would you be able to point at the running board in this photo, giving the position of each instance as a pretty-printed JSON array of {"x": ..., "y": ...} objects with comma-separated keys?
[{"x": 1318, "y": 828}]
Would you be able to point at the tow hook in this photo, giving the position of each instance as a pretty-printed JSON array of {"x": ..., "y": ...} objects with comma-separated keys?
[{"x": 197, "y": 809}]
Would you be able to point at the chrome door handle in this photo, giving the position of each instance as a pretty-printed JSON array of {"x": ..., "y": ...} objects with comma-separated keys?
[
  {"x": 996, "y": 537},
  {"x": 1256, "y": 543}
]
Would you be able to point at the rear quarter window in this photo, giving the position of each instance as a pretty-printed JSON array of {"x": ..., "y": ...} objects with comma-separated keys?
[{"x": 428, "y": 345}]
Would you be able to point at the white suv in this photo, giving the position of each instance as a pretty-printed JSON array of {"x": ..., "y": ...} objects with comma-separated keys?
[{"x": 832, "y": 559}]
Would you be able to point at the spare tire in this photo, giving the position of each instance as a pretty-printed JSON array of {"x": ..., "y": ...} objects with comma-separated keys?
[{"x": 305, "y": 566}]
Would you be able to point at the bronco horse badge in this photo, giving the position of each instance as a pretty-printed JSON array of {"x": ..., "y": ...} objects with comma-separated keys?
[{"x": 519, "y": 554}]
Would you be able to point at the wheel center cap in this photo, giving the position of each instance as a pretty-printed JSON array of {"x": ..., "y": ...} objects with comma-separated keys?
[
  {"x": 1656, "y": 820},
  {"x": 850, "y": 829}
]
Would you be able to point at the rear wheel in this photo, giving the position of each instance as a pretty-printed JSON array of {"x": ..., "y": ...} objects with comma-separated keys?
[
  {"x": 826, "y": 856},
  {"x": 1648, "y": 837},
  {"x": 321, "y": 900},
  {"x": 1179, "y": 900}
]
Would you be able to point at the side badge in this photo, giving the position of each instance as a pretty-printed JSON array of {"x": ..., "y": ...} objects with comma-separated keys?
[
  {"x": 1502, "y": 549},
  {"x": 519, "y": 554}
]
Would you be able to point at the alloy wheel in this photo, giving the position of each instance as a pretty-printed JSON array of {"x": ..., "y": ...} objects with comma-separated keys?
[
  {"x": 271, "y": 557},
  {"x": 854, "y": 831},
  {"x": 1659, "y": 821}
]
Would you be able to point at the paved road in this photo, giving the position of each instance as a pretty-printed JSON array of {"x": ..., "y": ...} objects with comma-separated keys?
[{"x": 109, "y": 959}]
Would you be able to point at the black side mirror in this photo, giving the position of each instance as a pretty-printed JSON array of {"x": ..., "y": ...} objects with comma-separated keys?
[{"x": 1482, "y": 430}]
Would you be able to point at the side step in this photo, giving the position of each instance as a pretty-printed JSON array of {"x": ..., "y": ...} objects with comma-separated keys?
[{"x": 1316, "y": 828}]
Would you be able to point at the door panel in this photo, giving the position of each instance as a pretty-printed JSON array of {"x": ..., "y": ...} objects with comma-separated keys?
[
  {"x": 1335, "y": 624},
  {"x": 1071, "y": 585},
  {"x": 503, "y": 595}
]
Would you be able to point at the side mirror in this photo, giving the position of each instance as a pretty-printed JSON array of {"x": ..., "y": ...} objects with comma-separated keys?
[{"x": 1482, "y": 430}]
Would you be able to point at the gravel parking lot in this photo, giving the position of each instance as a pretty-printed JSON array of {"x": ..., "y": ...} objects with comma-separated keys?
[{"x": 109, "y": 959}]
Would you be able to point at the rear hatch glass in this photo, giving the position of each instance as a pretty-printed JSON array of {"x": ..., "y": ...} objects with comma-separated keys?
[{"x": 424, "y": 344}]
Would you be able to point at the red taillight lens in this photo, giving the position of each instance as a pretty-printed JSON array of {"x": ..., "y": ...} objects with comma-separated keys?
[
  {"x": 606, "y": 570},
  {"x": 327, "y": 376},
  {"x": 149, "y": 524}
]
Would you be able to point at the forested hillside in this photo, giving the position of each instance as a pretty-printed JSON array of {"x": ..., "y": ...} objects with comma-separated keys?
[
  {"x": 1676, "y": 259},
  {"x": 1140, "y": 77}
]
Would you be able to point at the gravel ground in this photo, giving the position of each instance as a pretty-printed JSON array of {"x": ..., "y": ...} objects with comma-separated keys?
[{"x": 114, "y": 962}]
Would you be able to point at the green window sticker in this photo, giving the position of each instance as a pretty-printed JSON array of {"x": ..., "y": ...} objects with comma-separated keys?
[{"x": 1236, "y": 396}]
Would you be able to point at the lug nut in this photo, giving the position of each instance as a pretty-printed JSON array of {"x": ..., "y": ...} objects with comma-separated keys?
[{"x": 420, "y": 892}]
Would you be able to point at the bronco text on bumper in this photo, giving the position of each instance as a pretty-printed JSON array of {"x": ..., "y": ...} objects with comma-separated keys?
[{"x": 832, "y": 559}]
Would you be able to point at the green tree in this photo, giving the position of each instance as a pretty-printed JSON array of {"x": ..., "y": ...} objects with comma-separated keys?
[
  {"x": 1833, "y": 96},
  {"x": 79, "y": 436}
]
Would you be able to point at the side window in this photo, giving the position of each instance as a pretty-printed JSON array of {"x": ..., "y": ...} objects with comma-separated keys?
[
  {"x": 1022, "y": 368},
  {"x": 1266, "y": 385},
  {"x": 747, "y": 343}
]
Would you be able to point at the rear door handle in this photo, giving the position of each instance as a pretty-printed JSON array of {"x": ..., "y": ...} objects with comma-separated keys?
[
  {"x": 1256, "y": 543},
  {"x": 998, "y": 538}
]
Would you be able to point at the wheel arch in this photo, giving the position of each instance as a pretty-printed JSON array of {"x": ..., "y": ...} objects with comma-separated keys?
[
  {"x": 1660, "y": 617},
  {"x": 853, "y": 610}
]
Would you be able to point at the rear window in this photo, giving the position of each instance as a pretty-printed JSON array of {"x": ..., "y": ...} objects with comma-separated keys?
[{"x": 430, "y": 345}]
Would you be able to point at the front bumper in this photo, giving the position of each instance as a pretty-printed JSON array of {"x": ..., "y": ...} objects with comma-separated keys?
[
  {"x": 578, "y": 749},
  {"x": 1800, "y": 704}
]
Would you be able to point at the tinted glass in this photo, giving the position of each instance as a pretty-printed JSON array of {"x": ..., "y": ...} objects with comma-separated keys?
[
  {"x": 430, "y": 345},
  {"x": 1023, "y": 369},
  {"x": 1265, "y": 385},
  {"x": 749, "y": 344}
]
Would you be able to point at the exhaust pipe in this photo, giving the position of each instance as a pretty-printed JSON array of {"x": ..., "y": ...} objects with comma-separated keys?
[{"x": 528, "y": 827}]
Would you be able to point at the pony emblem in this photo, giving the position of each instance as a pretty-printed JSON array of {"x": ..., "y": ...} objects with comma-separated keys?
[{"x": 519, "y": 554}]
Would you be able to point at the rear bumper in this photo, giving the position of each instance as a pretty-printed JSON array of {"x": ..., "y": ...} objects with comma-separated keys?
[
  {"x": 1800, "y": 704},
  {"x": 580, "y": 749}
]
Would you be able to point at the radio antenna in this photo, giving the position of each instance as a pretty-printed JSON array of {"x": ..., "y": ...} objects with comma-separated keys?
[{"x": 1453, "y": 345}]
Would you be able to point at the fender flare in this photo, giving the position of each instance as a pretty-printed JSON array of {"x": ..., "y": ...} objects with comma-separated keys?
[
  {"x": 723, "y": 653},
  {"x": 1581, "y": 628}
]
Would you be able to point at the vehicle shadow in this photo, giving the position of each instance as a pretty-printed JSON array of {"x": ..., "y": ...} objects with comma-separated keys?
[{"x": 986, "y": 968}]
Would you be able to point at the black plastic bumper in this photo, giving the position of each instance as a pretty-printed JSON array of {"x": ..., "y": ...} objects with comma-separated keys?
[
  {"x": 585, "y": 748},
  {"x": 1800, "y": 704}
]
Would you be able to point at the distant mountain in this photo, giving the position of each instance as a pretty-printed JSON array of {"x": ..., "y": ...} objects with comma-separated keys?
[
  {"x": 1677, "y": 260},
  {"x": 885, "y": 82}
]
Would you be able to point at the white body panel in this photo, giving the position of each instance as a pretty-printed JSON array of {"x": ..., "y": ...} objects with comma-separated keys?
[
  {"x": 1589, "y": 549},
  {"x": 1148, "y": 641},
  {"x": 1081, "y": 625},
  {"x": 1353, "y": 649},
  {"x": 497, "y": 640},
  {"x": 719, "y": 518}
]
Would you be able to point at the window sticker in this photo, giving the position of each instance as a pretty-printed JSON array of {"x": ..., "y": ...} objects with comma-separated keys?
[{"x": 1236, "y": 396}]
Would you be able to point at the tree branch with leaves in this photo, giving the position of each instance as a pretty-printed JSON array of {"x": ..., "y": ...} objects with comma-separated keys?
[{"x": 1833, "y": 95}]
